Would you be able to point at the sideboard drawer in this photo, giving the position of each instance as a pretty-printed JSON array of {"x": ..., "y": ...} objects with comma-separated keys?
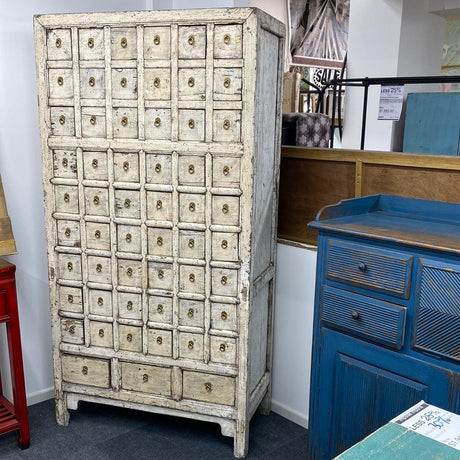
[
  {"x": 368, "y": 267},
  {"x": 209, "y": 388},
  {"x": 369, "y": 318},
  {"x": 148, "y": 379},
  {"x": 86, "y": 371}
]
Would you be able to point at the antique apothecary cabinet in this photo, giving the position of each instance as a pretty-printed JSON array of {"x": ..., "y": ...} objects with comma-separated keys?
[{"x": 160, "y": 140}]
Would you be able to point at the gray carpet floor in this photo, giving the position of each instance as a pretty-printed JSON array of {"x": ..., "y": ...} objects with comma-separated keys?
[{"x": 98, "y": 432}]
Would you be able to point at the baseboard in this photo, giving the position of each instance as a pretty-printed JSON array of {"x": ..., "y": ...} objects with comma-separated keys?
[
  {"x": 40, "y": 396},
  {"x": 290, "y": 414}
]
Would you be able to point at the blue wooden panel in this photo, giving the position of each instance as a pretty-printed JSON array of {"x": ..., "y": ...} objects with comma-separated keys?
[
  {"x": 372, "y": 319},
  {"x": 432, "y": 123}
]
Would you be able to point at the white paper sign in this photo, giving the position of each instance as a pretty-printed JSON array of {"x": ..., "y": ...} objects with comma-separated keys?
[
  {"x": 433, "y": 422},
  {"x": 391, "y": 100}
]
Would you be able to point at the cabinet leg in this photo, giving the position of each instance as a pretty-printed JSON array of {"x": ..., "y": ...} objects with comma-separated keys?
[
  {"x": 62, "y": 413},
  {"x": 266, "y": 403},
  {"x": 241, "y": 441}
]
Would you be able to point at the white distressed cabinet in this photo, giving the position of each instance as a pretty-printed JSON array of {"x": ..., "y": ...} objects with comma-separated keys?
[{"x": 160, "y": 139}]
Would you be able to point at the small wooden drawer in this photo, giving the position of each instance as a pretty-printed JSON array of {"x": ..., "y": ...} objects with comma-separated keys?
[
  {"x": 192, "y": 84},
  {"x": 226, "y": 126},
  {"x": 191, "y": 345},
  {"x": 101, "y": 334},
  {"x": 99, "y": 269},
  {"x": 66, "y": 197},
  {"x": 72, "y": 331},
  {"x": 158, "y": 124},
  {"x": 130, "y": 273},
  {"x": 95, "y": 165},
  {"x": 124, "y": 83},
  {"x": 129, "y": 305},
  {"x": 126, "y": 167},
  {"x": 160, "y": 309},
  {"x": 225, "y": 246},
  {"x": 65, "y": 163},
  {"x": 93, "y": 123},
  {"x": 158, "y": 169},
  {"x": 59, "y": 45},
  {"x": 60, "y": 83},
  {"x": 227, "y": 84},
  {"x": 159, "y": 206},
  {"x": 157, "y": 42},
  {"x": 191, "y": 208},
  {"x": 70, "y": 299},
  {"x": 160, "y": 342},
  {"x": 159, "y": 241},
  {"x": 225, "y": 210},
  {"x": 130, "y": 338},
  {"x": 62, "y": 121},
  {"x": 68, "y": 233},
  {"x": 91, "y": 44},
  {"x": 69, "y": 267},
  {"x": 191, "y": 279},
  {"x": 223, "y": 350},
  {"x": 98, "y": 236},
  {"x": 123, "y": 43},
  {"x": 129, "y": 238},
  {"x": 92, "y": 84},
  {"x": 146, "y": 379},
  {"x": 157, "y": 84},
  {"x": 127, "y": 204},
  {"x": 367, "y": 267},
  {"x": 228, "y": 41},
  {"x": 96, "y": 201},
  {"x": 125, "y": 123},
  {"x": 224, "y": 281},
  {"x": 224, "y": 316},
  {"x": 210, "y": 388},
  {"x": 225, "y": 172},
  {"x": 191, "y": 244},
  {"x": 86, "y": 371},
  {"x": 100, "y": 302},
  {"x": 191, "y": 170},
  {"x": 369, "y": 318},
  {"x": 191, "y": 313},
  {"x": 192, "y": 42},
  {"x": 160, "y": 276},
  {"x": 191, "y": 125}
]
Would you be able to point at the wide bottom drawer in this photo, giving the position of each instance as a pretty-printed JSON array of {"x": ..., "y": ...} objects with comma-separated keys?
[
  {"x": 86, "y": 371},
  {"x": 216, "y": 389},
  {"x": 145, "y": 378}
]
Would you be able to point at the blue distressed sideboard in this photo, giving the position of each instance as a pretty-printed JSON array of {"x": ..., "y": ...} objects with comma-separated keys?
[{"x": 387, "y": 316}]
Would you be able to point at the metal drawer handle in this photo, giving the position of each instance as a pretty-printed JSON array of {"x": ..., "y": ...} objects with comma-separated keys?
[
  {"x": 97, "y": 234},
  {"x": 125, "y": 166},
  {"x": 222, "y": 347},
  {"x": 191, "y": 243},
  {"x": 71, "y": 329},
  {"x": 225, "y": 170},
  {"x": 101, "y": 332},
  {"x": 362, "y": 266},
  {"x": 227, "y": 82},
  {"x": 145, "y": 378},
  {"x": 58, "y": 42},
  {"x": 192, "y": 207},
  {"x": 191, "y": 40},
  {"x": 227, "y": 39},
  {"x": 225, "y": 208},
  {"x": 129, "y": 337},
  {"x": 129, "y": 305},
  {"x": 158, "y": 168},
  {"x": 160, "y": 308},
  {"x": 66, "y": 197},
  {"x": 190, "y": 312},
  {"x": 96, "y": 200},
  {"x": 157, "y": 124},
  {"x": 191, "y": 169},
  {"x": 208, "y": 387},
  {"x": 65, "y": 162},
  {"x": 190, "y": 345},
  {"x": 191, "y": 82},
  {"x": 156, "y": 82},
  {"x": 124, "y": 42},
  {"x": 99, "y": 268},
  {"x": 226, "y": 124},
  {"x": 127, "y": 203},
  {"x": 84, "y": 370},
  {"x": 70, "y": 298},
  {"x": 128, "y": 237},
  {"x": 62, "y": 119},
  {"x": 124, "y": 121},
  {"x": 123, "y": 82},
  {"x": 191, "y": 123},
  {"x": 224, "y": 280},
  {"x": 160, "y": 241},
  {"x": 191, "y": 277},
  {"x": 93, "y": 119},
  {"x": 156, "y": 40},
  {"x": 355, "y": 314},
  {"x": 69, "y": 266},
  {"x": 223, "y": 315},
  {"x": 129, "y": 272},
  {"x": 94, "y": 163},
  {"x": 100, "y": 301},
  {"x": 224, "y": 244},
  {"x": 67, "y": 232},
  {"x": 60, "y": 81},
  {"x": 91, "y": 81},
  {"x": 159, "y": 340},
  {"x": 91, "y": 42},
  {"x": 161, "y": 274},
  {"x": 159, "y": 204}
]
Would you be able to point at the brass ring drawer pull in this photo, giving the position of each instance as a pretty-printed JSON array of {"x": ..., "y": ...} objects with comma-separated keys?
[
  {"x": 96, "y": 200},
  {"x": 222, "y": 347},
  {"x": 60, "y": 81},
  {"x": 71, "y": 329},
  {"x": 91, "y": 42},
  {"x": 127, "y": 203},
  {"x": 99, "y": 268},
  {"x": 123, "y": 82},
  {"x": 190, "y": 312},
  {"x": 159, "y": 241},
  {"x": 192, "y": 207},
  {"x": 84, "y": 370},
  {"x": 159, "y": 204},
  {"x": 62, "y": 119},
  {"x": 70, "y": 298},
  {"x": 97, "y": 234},
  {"x": 191, "y": 82},
  {"x": 128, "y": 237},
  {"x": 225, "y": 208},
  {"x": 100, "y": 301},
  {"x": 223, "y": 315},
  {"x": 156, "y": 82},
  {"x": 159, "y": 340},
  {"x": 226, "y": 124},
  {"x": 124, "y": 42},
  {"x": 91, "y": 81},
  {"x": 191, "y": 169},
  {"x": 101, "y": 333},
  {"x": 191, "y": 243},
  {"x": 158, "y": 168},
  {"x": 224, "y": 280},
  {"x": 224, "y": 244},
  {"x": 225, "y": 170},
  {"x": 208, "y": 387},
  {"x": 125, "y": 166},
  {"x": 66, "y": 197},
  {"x": 58, "y": 42},
  {"x": 191, "y": 277},
  {"x": 156, "y": 40},
  {"x": 145, "y": 378},
  {"x": 227, "y": 82},
  {"x": 190, "y": 345},
  {"x": 65, "y": 162},
  {"x": 161, "y": 274},
  {"x": 69, "y": 266},
  {"x": 67, "y": 232},
  {"x": 157, "y": 124},
  {"x": 94, "y": 163},
  {"x": 160, "y": 308},
  {"x": 124, "y": 121},
  {"x": 93, "y": 119},
  {"x": 129, "y": 337},
  {"x": 129, "y": 305},
  {"x": 129, "y": 272},
  {"x": 191, "y": 123},
  {"x": 191, "y": 40},
  {"x": 227, "y": 39}
]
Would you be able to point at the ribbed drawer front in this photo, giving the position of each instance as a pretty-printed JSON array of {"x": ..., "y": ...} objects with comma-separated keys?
[
  {"x": 369, "y": 318},
  {"x": 437, "y": 321},
  {"x": 368, "y": 267}
]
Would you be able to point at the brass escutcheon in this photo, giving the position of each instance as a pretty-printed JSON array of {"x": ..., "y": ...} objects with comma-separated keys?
[
  {"x": 225, "y": 170},
  {"x": 123, "y": 82},
  {"x": 67, "y": 232},
  {"x": 191, "y": 243},
  {"x": 71, "y": 329},
  {"x": 159, "y": 204},
  {"x": 91, "y": 81},
  {"x": 70, "y": 298},
  {"x": 161, "y": 274},
  {"x": 128, "y": 237},
  {"x": 129, "y": 337},
  {"x": 224, "y": 280},
  {"x": 101, "y": 332},
  {"x": 145, "y": 378},
  {"x": 222, "y": 347},
  {"x": 96, "y": 200},
  {"x": 190, "y": 312},
  {"x": 84, "y": 370},
  {"x": 191, "y": 123},
  {"x": 223, "y": 315},
  {"x": 97, "y": 234},
  {"x": 191, "y": 40},
  {"x": 226, "y": 124},
  {"x": 58, "y": 42},
  {"x": 160, "y": 241},
  {"x": 99, "y": 268},
  {"x": 191, "y": 82},
  {"x": 157, "y": 124},
  {"x": 129, "y": 305},
  {"x": 227, "y": 39},
  {"x": 66, "y": 197},
  {"x": 100, "y": 301},
  {"x": 125, "y": 166},
  {"x": 208, "y": 387},
  {"x": 227, "y": 82},
  {"x": 69, "y": 266},
  {"x": 60, "y": 81},
  {"x": 191, "y": 277},
  {"x": 159, "y": 340},
  {"x": 65, "y": 162},
  {"x": 127, "y": 203},
  {"x": 192, "y": 207},
  {"x": 129, "y": 272},
  {"x": 158, "y": 168},
  {"x": 160, "y": 308},
  {"x": 124, "y": 121},
  {"x": 94, "y": 163},
  {"x": 156, "y": 82},
  {"x": 91, "y": 42},
  {"x": 156, "y": 40},
  {"x": 190, "y": 345},
  {"x": 62, "y": 119},
  {"x": 93, "y": 120},
  {"x": 191, "y": 169},
  {"x": 124, "y": 42},
  {"x": 225, "y": 208},
  {"x": 224, "y": 244}
]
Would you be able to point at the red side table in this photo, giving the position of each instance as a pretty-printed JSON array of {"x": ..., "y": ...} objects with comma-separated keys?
[{"x": 13, "y": 416}]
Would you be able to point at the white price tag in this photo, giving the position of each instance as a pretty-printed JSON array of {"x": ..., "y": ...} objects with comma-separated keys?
[{"x": 391, "y": 100}]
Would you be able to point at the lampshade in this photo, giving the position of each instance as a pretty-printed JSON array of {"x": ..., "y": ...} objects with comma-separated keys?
[{"x": 7, "y": 243}]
